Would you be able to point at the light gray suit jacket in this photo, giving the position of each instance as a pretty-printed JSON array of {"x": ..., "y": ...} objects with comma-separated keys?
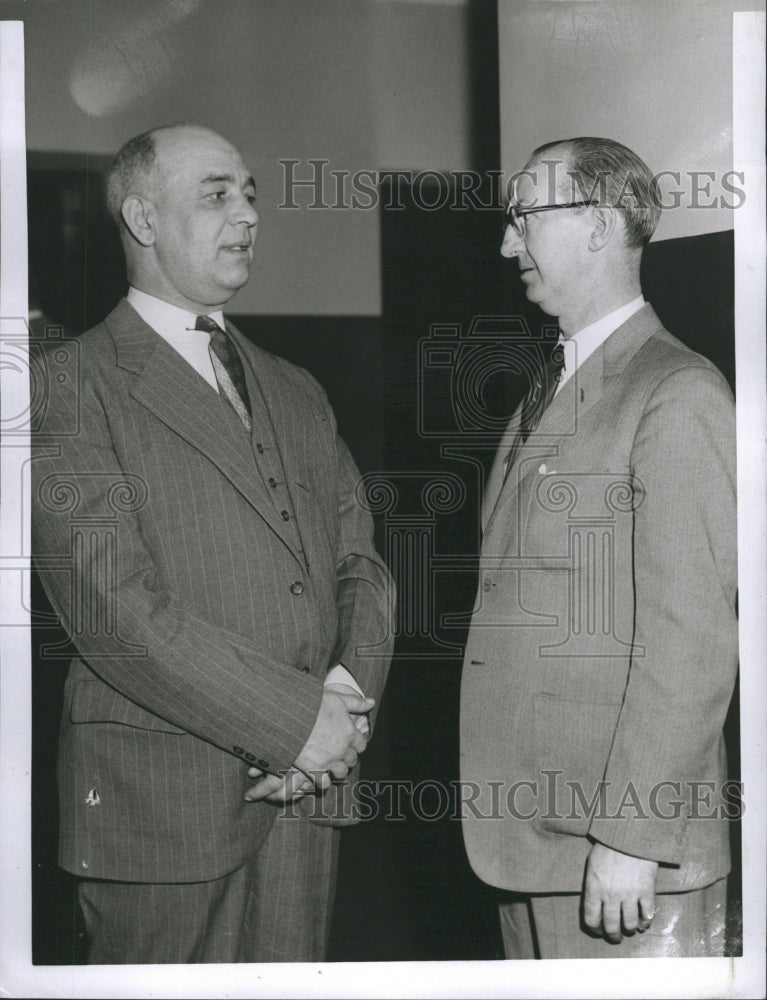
[
  {"x": 602, "y": 652},
  {"x": 203, "y": 622}
]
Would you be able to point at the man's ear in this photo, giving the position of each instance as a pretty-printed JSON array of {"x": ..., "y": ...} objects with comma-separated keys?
[
  {"x": 138, "y": 216},
  {"x": 605, "y": 224}
]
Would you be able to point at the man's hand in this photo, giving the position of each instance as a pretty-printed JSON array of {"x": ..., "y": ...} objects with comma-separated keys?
[
  {"x": 342, "y": 727},
  {"x": 618, "y": 887},
  {"x": 276, "y": 788},
  {"x": 361, "y": 720},
  {"x": 335, "y": 742}
]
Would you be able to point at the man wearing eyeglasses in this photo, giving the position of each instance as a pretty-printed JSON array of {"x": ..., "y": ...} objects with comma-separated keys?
[{"x": 602, "y": 653}]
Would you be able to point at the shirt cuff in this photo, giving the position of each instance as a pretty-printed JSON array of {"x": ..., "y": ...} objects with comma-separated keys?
[{"x": 340, "y": 675}]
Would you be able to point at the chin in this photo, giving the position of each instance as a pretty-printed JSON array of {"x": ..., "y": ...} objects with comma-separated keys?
[
  {"x": 533, "y": 295},
  {"x": 545, "y": 307},
  {"x": 234, "y": 281}
]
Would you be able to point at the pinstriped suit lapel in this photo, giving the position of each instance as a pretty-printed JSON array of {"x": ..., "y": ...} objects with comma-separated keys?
[{"x": 170, "y": 388}]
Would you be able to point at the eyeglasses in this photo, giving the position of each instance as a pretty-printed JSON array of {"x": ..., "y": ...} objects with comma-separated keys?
[{"x": 514, "y": 216}]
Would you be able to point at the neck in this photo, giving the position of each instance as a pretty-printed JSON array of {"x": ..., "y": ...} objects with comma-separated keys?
[{"x": 602, "y": 301}]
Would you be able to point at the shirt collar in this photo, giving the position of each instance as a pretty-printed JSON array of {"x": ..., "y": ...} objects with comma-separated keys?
[
  {"x": 596, "y": 333},
  {"x": 581, "y": 345},
  {"x": 171, "y": 322}
]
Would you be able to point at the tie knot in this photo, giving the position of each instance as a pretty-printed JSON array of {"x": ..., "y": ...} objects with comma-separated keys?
[
  {"x": 556, "y": 359},
  {"x": 207, "y": 324}
]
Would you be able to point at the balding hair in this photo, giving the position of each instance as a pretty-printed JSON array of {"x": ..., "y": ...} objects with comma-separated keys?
[
  {"x": 609, "y": 173},
  {"x": 130, "y": 171}
]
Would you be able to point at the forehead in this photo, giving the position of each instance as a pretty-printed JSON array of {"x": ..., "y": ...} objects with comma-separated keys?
[
  {"x": 192, "y": 155},
  {"x": 544, "y": 179}
]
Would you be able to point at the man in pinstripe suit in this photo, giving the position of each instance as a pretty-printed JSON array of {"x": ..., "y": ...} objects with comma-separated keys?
[{"x": 196, "y": 527}]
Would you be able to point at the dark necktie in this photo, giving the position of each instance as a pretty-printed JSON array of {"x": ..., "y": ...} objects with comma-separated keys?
[
  {"x": 539, "y": 395},
  {"x": 228, "y": 368}
]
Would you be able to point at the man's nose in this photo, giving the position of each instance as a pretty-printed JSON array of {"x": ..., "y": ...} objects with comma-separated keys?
[
  {"x": 245, "y": 211},
  {"x": 513, "y": 244}
]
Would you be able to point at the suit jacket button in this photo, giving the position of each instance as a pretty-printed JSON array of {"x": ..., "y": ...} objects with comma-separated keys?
[
  {"x": 284, "y": 515},
  {"x": 238, "y": 750},
  {"x": 263, "y": 763},
  {"x": 304, "y": 670},
  {"x": 297, "y": 588},
  {"x": 487, "y": 585},
  {"x": 250, "y": 756}
]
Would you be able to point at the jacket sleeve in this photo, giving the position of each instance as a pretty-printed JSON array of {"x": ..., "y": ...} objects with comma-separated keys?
[
  {"x": 142, "y": 640},
  {"x": 365, "y": 591},
  {"x": 684, "y": 658}
]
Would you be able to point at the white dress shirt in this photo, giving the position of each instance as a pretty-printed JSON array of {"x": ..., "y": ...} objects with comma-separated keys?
[
  {"x": 581, "y": 345},
  {"x": 176, "y": 326}
]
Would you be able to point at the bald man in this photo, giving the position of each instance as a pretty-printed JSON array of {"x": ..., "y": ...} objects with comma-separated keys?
[
  {"x": 602, "y": 652},
  {"x": 197, "y": 530}
]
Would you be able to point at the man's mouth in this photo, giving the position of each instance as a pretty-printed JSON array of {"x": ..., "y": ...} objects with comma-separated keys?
[{"x": 238, "y": 247}]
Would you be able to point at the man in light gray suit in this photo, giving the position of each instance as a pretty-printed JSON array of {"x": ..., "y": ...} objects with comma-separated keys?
[
  {"x": 602, "y": 653},
  {"x": 197, "y": 529}
]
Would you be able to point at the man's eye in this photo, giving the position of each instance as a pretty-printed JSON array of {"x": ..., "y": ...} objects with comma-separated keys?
[{"x": 217, "y": 195}]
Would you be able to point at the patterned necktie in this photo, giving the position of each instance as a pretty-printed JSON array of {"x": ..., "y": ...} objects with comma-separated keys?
[
  {"x": 539, "y": 395},
  {"x": 228, "y": 368}
]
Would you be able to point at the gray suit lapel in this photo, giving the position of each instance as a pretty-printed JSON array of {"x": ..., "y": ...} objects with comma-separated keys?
[
  {"x": 496, "y": 479},
  {"x": 563, "y": 416}
]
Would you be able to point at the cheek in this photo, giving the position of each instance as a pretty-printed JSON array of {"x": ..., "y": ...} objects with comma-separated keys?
[
  {"x": 554, "y": 261},
  {"x": 195, "y": 247}
]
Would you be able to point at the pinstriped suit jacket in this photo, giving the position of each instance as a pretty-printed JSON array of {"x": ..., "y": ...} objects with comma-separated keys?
[
  {"x": 603, "y": 648},
  {"x": 195, "y": 655}
]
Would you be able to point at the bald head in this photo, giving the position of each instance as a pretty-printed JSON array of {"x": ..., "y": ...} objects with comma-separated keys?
[
  {"x": 139, "y": 166},
  {"x": 185, "y": 204}
]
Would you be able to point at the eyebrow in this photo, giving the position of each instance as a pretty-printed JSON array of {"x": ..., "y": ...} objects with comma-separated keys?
[{"x": 226, "y": 179}]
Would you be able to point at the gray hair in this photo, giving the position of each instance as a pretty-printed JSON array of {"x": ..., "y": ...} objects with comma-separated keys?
[{"x": 131, "y": 167}]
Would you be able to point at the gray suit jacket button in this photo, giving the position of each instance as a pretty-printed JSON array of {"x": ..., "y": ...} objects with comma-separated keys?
[{"x": 297, "y": 588}]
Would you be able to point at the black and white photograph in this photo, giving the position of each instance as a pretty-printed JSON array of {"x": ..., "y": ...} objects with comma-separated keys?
[{"x": 383, "y": 533}]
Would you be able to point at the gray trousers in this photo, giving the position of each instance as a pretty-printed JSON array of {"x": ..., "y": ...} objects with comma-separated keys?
[
  {"x": 686, "y": 925},
  {"x": 275, "y": 908}
]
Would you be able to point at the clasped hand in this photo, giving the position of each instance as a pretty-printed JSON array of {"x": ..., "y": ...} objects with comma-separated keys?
[{"x": 339, "y": 736}]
